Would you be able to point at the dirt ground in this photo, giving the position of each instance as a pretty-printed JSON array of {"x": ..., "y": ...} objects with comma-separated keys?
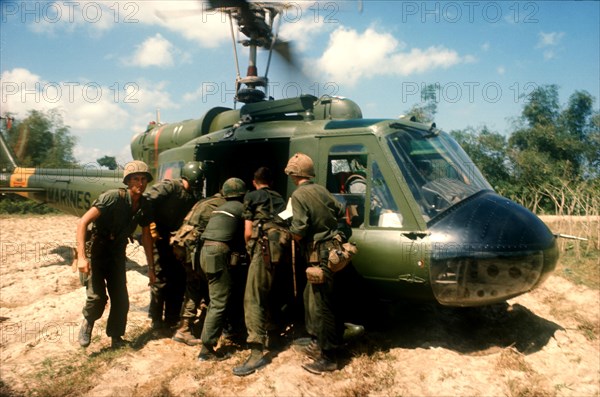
[{"x": 545, "y": 343}]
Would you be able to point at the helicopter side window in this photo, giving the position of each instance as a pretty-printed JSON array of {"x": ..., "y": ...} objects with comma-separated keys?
[
  {"x": 347, "y": 180},
  {"x": 383, "y": 211},
  {"x": 170, "y": 170}
]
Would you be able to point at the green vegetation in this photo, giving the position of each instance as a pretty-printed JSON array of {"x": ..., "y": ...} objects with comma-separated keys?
[
  {"x": 13, "y": 204},
  {"x": 550, "y": 163},
  {"x": 40, "y": 140}
]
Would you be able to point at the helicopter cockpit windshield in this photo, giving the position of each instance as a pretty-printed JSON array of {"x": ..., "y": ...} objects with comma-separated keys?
[{"x": 438, "y": 172}]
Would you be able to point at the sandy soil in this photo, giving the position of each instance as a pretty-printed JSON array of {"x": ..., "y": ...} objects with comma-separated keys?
[{"x": 545, "y": 343}]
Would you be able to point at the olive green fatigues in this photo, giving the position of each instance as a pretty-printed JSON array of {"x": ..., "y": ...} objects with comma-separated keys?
[
  {"x": 315, "y": 219},
  {"x": 196, "y": 286},
  {"x": 223, "y": 235},
  {"x": 259, "y": 205},
  {"x": 169, "y": 204},
  {"x": 108, "y": 243}
]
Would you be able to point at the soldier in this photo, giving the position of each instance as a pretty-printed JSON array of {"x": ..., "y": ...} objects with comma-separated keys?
[
  {"x": 223, "y": 243},
  {"x": 188, "y": 242},
  {"x": 169, "y": 202},
  {"x": 115, "y": 215},
  {"x": 315, "y": 225},
  {"x": 261, "y": 207}
]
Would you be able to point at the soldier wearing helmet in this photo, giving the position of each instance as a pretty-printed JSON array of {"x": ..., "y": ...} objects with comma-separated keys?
[
  {"x": 261, "y": 221},
  {"x": 169, "y": 202},
  {"x": 136, "y": 167},
  {"x": 193, "y": 173},
  {"x": 113, "y": 216},
  {"x": 315, "y": 225},
  {"x": 223, "y": 243},
  {"x": 187, "y": 244}
]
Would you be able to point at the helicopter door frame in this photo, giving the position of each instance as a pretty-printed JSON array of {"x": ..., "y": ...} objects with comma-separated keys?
[
  {"x": 398, "y": 254},
  {"x": 366, "y": 147}
]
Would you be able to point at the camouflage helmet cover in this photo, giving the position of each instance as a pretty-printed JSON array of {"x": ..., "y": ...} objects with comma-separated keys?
[
  {"x": 300, "y": 165},
  {"x": 136, "y": 167},
  {"x": 234, "y": 187},
  {"x": 192, "y": 172}
]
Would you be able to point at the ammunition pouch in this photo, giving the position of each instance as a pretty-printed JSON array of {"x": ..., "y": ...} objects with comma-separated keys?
[
  {"x": 274, "y": 240},
  {"x": 280, "y": 241}
]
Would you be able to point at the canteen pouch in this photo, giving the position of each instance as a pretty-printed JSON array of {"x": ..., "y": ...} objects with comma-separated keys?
[
  {"x": 315, "y": 275},
  {"x": 340, "y": 256}
]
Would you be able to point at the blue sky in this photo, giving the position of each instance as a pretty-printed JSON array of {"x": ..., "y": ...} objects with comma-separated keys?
[{"x": 108, "y": 65}]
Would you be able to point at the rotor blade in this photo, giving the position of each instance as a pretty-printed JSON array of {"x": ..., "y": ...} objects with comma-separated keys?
[
  {"x": 228, "y": 3},
  {"x": 283, "y": 48}
]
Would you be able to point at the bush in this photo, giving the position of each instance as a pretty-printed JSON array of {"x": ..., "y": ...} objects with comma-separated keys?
[{"x": 13, "y": 204}]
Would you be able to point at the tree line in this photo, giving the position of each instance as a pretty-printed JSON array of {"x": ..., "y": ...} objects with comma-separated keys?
[{"x": 549, "y": 161}]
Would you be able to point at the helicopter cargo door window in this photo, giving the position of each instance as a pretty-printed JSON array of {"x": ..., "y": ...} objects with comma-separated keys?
[{"x": 347, "y": 179}]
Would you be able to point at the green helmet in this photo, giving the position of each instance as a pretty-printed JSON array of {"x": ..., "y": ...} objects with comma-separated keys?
[
  {"x": 234, "y": 187},
  {"x": 192, "y": 172},
  {"x": 136, "y": 167}
]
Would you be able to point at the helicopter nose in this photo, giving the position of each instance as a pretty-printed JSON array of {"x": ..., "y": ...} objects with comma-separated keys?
[{"x": 488, "y": 249}]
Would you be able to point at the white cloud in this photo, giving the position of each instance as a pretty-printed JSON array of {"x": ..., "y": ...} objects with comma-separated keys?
[
  {"x": 485, "y": 46},
  {"x": 501, "y": 70},
  {"x": 549, "y": 54},
  {"x": 351, "y": 56},
  {"x": 303, "y": 32},
  {"x": 549, "y": 39},
  {"x": 191, "y": 19},
  {"x": 549, "y": 42},
  {"x": 84, "y": 105},
  {"x": 68, "y": 16},
  {"x": 154, "y": 51}
]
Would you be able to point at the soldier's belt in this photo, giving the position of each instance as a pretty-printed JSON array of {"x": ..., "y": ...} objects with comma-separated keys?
[{"x": 208, "y": 243}]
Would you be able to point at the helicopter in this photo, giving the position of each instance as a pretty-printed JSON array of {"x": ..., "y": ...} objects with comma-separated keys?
[{"x": 428, "y": 226}]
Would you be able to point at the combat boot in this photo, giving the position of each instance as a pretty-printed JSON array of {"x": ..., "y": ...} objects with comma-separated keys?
[
  {"x": 85, "y": 332},
  {"x": 312, "y": 350},
  {"x": 184, "y": 333},
  {"x": 208, "y": 353},
  {"x": 327, "y": 363},
  {"x": 320, "y": 366},
  {"x": 117, "y": 342},
  {"x": 255, "y": 361}
]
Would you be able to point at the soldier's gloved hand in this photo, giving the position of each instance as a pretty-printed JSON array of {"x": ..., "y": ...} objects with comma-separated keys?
[{"x": 83, "y": 265}]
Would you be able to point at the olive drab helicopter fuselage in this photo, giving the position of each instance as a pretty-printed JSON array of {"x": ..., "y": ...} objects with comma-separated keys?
[
  {"x": 440, "y": 233},
  {"x": 427, "y": 224}
]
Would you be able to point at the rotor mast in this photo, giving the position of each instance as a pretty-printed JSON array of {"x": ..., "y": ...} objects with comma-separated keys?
[{"x": 255, "y": 21}]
